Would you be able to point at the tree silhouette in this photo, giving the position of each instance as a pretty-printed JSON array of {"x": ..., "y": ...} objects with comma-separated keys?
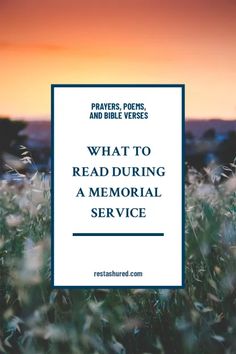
[
  {"x": 209, "y": 134},
  {"x": 227, "y": 149},
  {"x": 189, "y": 136},
  {"x": 10, "y": 137}
]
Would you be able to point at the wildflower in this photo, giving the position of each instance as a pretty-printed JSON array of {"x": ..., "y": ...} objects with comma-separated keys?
[{"x": 13, "y": 220}]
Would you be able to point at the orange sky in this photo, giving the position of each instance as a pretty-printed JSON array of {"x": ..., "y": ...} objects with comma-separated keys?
[{"x": 118, "y": 41}]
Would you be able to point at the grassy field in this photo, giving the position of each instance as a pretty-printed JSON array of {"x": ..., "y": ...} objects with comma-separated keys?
[{"x": 200, "y": 319}]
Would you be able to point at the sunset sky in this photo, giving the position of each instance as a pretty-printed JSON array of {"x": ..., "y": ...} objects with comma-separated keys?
[{"x": 118, "y": 41}]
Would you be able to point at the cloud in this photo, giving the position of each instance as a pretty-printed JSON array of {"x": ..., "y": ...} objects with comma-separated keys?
[{"x": 5, "y": 45}]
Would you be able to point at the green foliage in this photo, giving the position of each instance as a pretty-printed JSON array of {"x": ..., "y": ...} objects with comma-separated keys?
[{"x": 199, "y": 319}]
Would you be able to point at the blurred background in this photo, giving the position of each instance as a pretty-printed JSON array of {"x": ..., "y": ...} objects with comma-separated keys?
[
  {"x": 118, "y": 41},
  {"x": 135, "y": 41}
]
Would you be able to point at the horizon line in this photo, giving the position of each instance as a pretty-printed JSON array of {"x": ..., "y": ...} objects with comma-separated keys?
[{"x": 48, "y": 118}]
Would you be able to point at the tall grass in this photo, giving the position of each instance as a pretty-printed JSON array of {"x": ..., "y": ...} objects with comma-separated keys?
[{"x": 200, "y": 319}]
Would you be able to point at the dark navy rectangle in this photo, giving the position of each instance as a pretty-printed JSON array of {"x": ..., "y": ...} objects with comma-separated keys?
[{"x": 116, "y": 234}]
